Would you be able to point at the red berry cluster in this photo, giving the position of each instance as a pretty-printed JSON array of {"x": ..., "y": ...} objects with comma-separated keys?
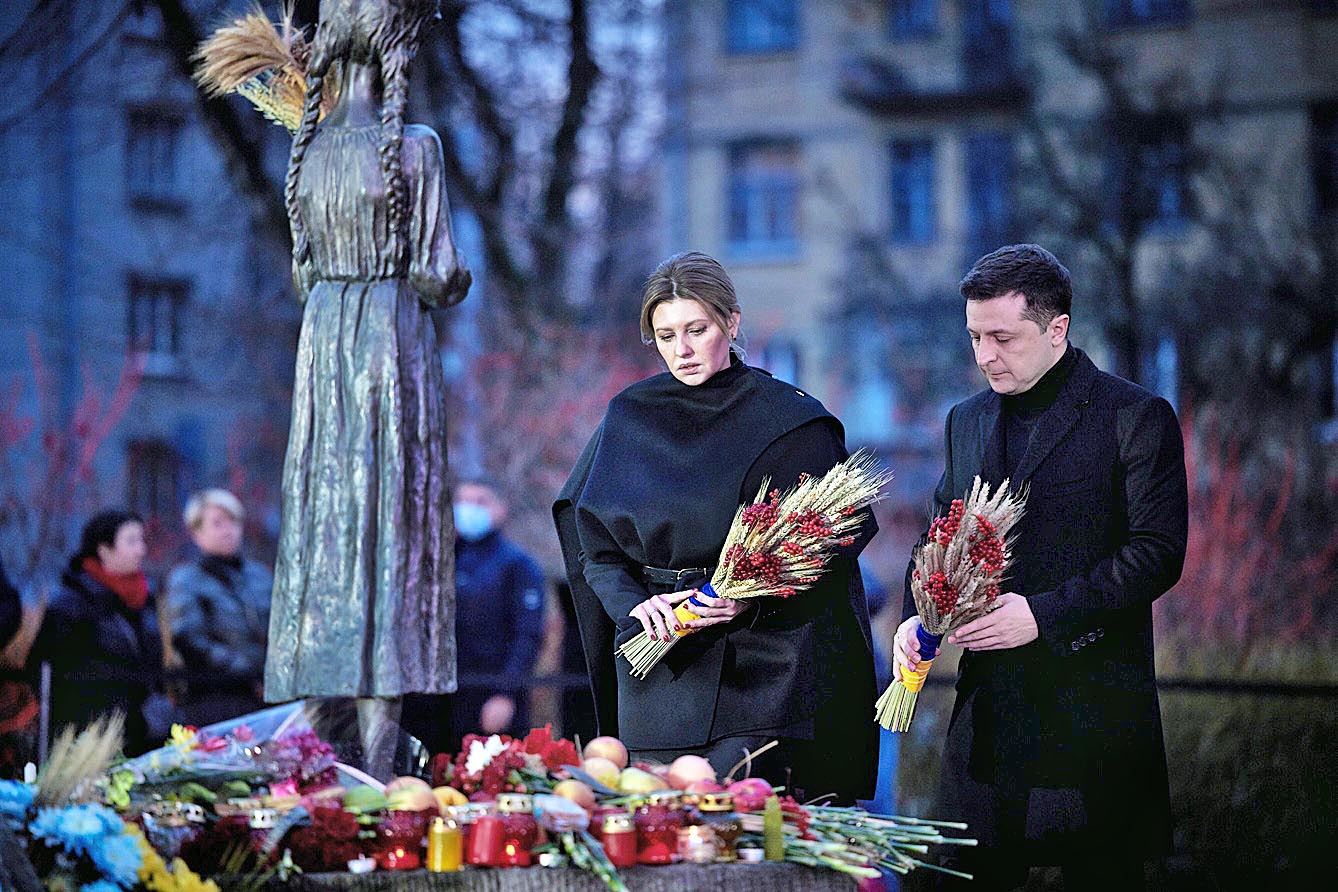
[
  {"x": 766, "y": 568},
  {"x": 810, "y": 523},
  {"x": 847, "y": 510},
  {"x": 942, "y": 592},
  {"x": 785, "y": 591},
  {"x": 763, "y": 514},
  {"x": 991, "y": 593},
  {"x": 792, "y": 547},
  {"x": 986, "y": 547},
  {"x": 732, "y": 555},
  {"x": 944, "y": 528},
  {"x": 846, "y": 541}
]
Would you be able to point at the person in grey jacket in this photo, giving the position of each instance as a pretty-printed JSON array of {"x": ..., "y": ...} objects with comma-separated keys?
[{"x": 218, "y": 614}]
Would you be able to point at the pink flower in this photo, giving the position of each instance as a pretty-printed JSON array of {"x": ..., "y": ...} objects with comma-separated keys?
[{"x": 284, "y": 788}]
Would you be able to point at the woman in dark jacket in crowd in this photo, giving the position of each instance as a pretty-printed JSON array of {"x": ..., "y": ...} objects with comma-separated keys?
[
  {"x": 643, "y": 519},
  {"x": 100, "y": 631},
  {"x": 218, "y": 612}
]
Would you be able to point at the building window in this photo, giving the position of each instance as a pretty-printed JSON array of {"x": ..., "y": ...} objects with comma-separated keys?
[
  {"x": 912, "y": 19},
  {"x": 989, "y": 192},
  {"x": 764, "y": 197},
  {"x": 1324, "y": 157},
  {"x": 153, "y": 476},
  {"x": 152, "y": 145},
  {"x": 913, "y": 191},
  {"x": 987, "y": 43},
  {"x": 1150, "y": 175},
  {"x": 762, "y": 26},
  {"x": 153, "y": 322},
  {"x": 1131, "y": 13}
]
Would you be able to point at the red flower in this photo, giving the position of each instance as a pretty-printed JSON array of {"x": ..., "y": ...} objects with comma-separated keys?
[{"x": 555, "y": 753}]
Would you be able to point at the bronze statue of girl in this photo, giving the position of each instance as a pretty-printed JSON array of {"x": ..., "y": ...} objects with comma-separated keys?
[{"x": 364, "y": 594}]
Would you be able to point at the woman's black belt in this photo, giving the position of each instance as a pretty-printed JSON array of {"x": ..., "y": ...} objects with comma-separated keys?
[{"x": 663, "y": 576}]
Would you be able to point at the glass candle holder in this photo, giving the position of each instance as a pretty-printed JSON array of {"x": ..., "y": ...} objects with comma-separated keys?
[
  {"x": 716, "y": 810},
  {"x": 399, "y": 841},
  {"x": 444, "y": 846},
  {"x": 485, "y": 840},
  {"x": 697, "y": 844},
  {"x": 658, "y": 820},
  {"x": 520, "y": 831},
  {"x": 597, "y": 817},
  {"x": 620, "y": 839}
]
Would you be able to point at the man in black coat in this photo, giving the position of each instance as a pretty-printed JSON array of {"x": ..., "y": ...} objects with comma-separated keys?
[{"x": 1054, "y": 752}]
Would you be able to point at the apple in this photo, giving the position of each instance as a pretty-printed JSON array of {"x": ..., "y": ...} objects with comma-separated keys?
[
  {"x": 688, "y": 769},
  {"x": 610, "y": 748},
  {"x": 577, "y": 792},
  {"x": 448, "y": 796},
  {"x": 750, "y": 794},
  {"x": 636, "y": 781},
  {"x": 602, "y": 770},
  {"x": 410, "y": 794}
]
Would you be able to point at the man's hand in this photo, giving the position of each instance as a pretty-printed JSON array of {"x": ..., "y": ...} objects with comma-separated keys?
[
  {"x": 906, "y": 645},
  {"x": 496, "y": 714},
  {"x": 1008, "y": 625}
]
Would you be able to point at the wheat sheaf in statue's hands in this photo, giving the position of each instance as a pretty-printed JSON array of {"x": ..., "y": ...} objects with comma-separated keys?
[
  {"x": 777, "y": 546},
  {"x": 955, "y": 582}
]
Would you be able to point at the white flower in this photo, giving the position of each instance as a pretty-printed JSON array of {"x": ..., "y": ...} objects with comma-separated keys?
[{"x": 482, "y": 754}]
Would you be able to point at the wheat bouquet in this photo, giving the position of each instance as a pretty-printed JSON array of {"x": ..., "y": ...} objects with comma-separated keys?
[
  {"x": 779, "y": 545},
  {"x": 956, "y": 580}
]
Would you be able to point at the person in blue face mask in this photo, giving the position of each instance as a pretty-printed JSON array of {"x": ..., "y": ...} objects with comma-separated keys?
[{"x": 500, "y": 596}]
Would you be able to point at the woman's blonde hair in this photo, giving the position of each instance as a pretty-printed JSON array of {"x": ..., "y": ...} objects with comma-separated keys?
[
  {"x": 694, "y": 276},
  {"x": 218, "y": 498}
]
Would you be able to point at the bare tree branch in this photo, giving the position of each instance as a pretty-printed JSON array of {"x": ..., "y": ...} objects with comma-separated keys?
[{"x": 239, "y": 140}]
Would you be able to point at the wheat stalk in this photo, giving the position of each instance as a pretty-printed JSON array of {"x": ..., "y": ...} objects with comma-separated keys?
[
  {"x": 263, "y": 61},
  {"x": 79, "y": 761}
]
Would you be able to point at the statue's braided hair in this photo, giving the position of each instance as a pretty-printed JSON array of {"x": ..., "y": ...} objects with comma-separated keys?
[{"x": 387, "y": 32}]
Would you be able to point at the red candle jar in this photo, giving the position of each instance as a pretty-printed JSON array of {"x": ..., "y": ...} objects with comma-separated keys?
[
  {"x": 658, "y": 820},
  {"x": 399, "y": 843},
  {"x": 485, "y": 840},
  {"x": 520, "y": 831},
  {"x": 597, "y": 819},
  {"x": 619, "y": 838}
]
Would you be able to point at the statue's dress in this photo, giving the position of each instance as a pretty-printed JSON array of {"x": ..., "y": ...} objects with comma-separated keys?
[{"x": 364, "y": 596}]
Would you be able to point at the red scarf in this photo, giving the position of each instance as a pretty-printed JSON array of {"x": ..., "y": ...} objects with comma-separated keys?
[{"x": 131, "y": 588}]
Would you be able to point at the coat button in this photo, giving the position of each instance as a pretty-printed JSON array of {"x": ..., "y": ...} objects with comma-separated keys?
[
  {"x": 1101, "y": 633},
  {"x": 1075, "y": 645}
]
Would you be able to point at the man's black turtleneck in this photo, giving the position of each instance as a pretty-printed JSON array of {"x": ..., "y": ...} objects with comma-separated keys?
[{"x": 1021, "y": 410}]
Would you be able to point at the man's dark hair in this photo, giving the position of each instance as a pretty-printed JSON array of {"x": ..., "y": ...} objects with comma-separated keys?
[
  {"x": 1029, "y": 269},
  {"x": 101, "y": 529}
]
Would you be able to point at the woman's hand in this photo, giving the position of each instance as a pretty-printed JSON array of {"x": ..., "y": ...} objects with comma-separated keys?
[
  {"x": 656, "y": 614},
  {"x": 716, "y": 611}
]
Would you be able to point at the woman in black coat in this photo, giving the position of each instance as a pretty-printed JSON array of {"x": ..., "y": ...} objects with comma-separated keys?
[
  {"x": 100, "y": 631},
  {"x": 643, "y": 519}
]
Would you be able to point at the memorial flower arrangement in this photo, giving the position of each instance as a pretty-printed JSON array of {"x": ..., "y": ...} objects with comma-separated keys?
[
  {"x": 518, "y": 801},
  {"x": 956, "y": 579},
  {"x": 779, "y": 545}
]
